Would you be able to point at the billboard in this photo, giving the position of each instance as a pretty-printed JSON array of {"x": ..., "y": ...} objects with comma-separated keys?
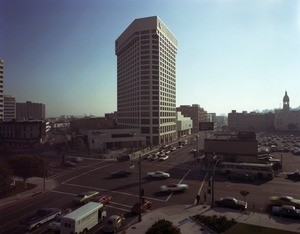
[{"x": 206, "y": 126}]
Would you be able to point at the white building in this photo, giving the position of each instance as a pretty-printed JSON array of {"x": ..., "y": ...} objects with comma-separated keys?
[
  {"x": 184, "y": 124},
  {"x": 103, "y": 139},
  {"x": 146, "y": 60},
  {"x": 285, "y": 118},
  {"x": 9, "y": 108},
  {"x": 1, "y": 90}
]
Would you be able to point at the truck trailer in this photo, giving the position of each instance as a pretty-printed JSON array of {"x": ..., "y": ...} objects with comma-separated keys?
[{"x": 83, "y": 219}]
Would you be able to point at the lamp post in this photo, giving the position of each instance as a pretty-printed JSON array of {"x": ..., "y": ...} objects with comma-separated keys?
[
  {"x": 212, "y": 185},
  {"x": 140, "y": 190}
]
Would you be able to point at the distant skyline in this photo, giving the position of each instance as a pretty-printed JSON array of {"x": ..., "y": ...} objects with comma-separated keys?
[{"x": 232, "y": 54}]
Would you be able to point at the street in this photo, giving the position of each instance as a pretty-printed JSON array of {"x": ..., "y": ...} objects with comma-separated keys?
[{"x": 94, "y": 174}]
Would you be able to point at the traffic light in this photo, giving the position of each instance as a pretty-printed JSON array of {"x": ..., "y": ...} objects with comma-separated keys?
[
  {"x": 209, "y": 191},
  {"x": 142, "y": 192},
  {"x": 210, "y": 182}
]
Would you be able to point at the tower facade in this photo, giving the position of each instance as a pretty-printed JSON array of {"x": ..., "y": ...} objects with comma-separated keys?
[
  {"x": 146, "y": 69},
  {"x": 1, "y": 90},
  {"x": 286, "y": 102},
  {"x": 9, "y": 108}
]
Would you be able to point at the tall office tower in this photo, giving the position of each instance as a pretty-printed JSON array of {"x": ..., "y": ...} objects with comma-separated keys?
[
  {"x": 30, "y": 111},
  {"x": 146, "y": 60},
  {"x": 1, "y": 90},
  {"x": 9, "y": 108}
]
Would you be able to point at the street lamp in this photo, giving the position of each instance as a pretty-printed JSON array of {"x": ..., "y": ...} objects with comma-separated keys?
[
  {"x": 141, "y": 191},
  {"x": 212, "y": 185}
]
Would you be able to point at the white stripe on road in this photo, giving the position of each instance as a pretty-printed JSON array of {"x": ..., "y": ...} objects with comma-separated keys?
[
  {"x": 179, "y": 183},
  {"x": 199, "y": 191},
  {"x": 111, "y": 191},
  {"x": 86, "y": 173}
]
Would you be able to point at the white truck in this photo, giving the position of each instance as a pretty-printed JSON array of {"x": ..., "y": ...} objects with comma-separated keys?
[{"x": 83, "y": 219}]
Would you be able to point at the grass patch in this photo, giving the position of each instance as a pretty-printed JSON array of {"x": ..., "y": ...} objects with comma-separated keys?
[
  {"x": 18, "y": 188},
  {"x": 250, "y": 229}
]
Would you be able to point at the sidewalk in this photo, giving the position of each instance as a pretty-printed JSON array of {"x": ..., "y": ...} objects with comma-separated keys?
[
  {"x": 180, "y": 215},
  {"x": 50, "y": 184}
]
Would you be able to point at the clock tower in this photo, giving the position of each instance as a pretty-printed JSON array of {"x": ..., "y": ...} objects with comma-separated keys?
[{"x": 286, "y": 102}]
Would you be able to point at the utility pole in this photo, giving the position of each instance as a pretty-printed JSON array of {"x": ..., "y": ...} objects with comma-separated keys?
[
  {"x": 212, "y": 185},
  {"x": 140, "y": 190}
]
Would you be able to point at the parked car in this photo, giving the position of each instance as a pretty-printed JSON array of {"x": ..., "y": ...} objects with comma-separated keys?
[
  {"x": 104, "y": 199},
  {"x": 163, "y": 158},
  {"x": 137, "y": 207},
  {"x": 295, "y": 175},
  {"x": 285, "y": 200},
  {"x": 286, "y": 211},
  {"x": 240, "y": 177},
  {"x": 84, "y": 197},
  {"x": 70, "y": 164},
  {"x": 231, "y": 202},
  {"x": 120, "y": 173},
  {"x": 123, "y": 158},
  {"x": 113, "y": 224},
  {"x": 158, "y": 174},
  {"x": 174, "y": 187}
]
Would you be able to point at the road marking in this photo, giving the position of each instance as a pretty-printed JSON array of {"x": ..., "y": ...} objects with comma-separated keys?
[
  {"x": 86, "y": 173},
  {"x": 55, "y": 191},
  {"x": 111, "y": 191},
  {"x": 202, "y": 184},
  {"x": 70, "y": 171},
  {"x": 179, "y": 183}
]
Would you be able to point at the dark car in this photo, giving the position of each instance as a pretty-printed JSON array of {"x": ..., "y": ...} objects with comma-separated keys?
[
  {"x": 286, "y": 211},
  {"x": 123, "y": 158},
  {"x": 146, "y": 205},
  {"x": 294, "y": 175},
  {"x": 121, "y": 173},
  {"x": 231, "y": 202},
  {"x": 240, "y": 177}
]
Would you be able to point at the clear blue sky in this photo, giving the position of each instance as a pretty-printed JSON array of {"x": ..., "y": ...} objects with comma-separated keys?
[{"x": 232, "y": 54}]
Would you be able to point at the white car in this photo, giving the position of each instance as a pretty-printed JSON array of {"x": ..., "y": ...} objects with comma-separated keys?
[
  {"x": 163, "y": 158},
  {"x": 174, "y": 187},
  {"x": 158, "y": 174}
]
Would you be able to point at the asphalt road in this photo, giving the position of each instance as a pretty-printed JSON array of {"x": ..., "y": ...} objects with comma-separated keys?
[{"x": 94, "y": 174}]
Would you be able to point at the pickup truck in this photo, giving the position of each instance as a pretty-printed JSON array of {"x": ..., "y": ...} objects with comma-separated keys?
[
  {"x": 286, "y": 211},
  {"x": 42, "y": 216}
]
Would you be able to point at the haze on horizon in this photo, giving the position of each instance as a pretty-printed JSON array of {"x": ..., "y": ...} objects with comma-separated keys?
[{"x": 232, "y": 54}]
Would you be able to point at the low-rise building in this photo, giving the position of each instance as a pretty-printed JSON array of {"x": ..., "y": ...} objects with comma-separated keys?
[{"x": 239, "y": 147}]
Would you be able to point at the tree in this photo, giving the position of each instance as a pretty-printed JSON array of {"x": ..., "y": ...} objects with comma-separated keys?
[
  {"x": 26, "y": 166},
  {"x": 163, "y": 226},
  {"x": 5, "y": 173},
  {"x": 244, "y": 193}
]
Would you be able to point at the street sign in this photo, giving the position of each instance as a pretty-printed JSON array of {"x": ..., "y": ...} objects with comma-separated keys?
[{"x": 206, "y": 126}]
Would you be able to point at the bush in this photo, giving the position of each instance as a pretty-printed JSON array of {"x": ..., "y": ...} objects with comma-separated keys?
[
  {"x": 218, "y": 224},
  {"x": 163, "y": 226}
]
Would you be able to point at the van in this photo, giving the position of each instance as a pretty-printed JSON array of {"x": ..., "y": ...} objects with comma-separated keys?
[{"x": 83, "y": 219}]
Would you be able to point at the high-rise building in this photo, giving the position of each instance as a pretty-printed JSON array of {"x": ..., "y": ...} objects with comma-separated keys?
[
  {"x": 1, "y": 90},
  {"x": 146, "y": 65},
  {"x": 30, "y": 111},
  {"x": 9, "y": 108}
]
